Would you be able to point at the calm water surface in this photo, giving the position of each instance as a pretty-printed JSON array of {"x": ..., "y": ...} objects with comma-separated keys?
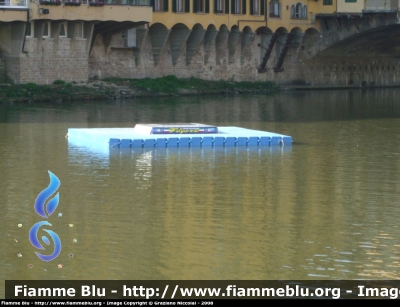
[{"x": 327, "y": 208}]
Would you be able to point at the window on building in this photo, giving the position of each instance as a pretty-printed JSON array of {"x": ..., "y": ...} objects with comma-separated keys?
[
  {"x": 298, "y": 11},
  {"x": 327, "y": 2},
  {"x": 160, "y": 5},
  {"x": 181, "y": 6},
  {"x": 63, "y": 29},
  {"x": 129, "y": 38},
  {"x": 79, "y": 30},
  {"x": 238, "y": 7},
  {"x": 350, "y": 1},
  {"x": 274, "y": 8},
  {"x": 46, "y": 30},
  {"x": 219, "y": 6},
  {"x": 255, "y": 9},
  {"x": 201, "y": 6},
  {"x": 29, "y": 29}
]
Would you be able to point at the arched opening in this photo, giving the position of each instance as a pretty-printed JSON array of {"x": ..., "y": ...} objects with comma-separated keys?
[
  {"x": 197, "y": 27},
  {"x": 157, "y": 27},
  {"x": 211, "y": 28},
  {"x": 298, "y": 11},
  {"x": 305, "y": 11},
  {"x": 233, "y": 43},
  {"x": 311, "y": 37},
  {"x": 180, "y": 26},
  {"x": 63, "y": 30},
  {"x": 292, "y": 11}
]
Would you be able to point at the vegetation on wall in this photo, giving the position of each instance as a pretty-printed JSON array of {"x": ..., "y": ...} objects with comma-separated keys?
[{"x": 119, "y": 88}]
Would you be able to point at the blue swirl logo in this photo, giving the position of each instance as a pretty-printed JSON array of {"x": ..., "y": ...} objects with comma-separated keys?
[{"x": 45, "y": 211}]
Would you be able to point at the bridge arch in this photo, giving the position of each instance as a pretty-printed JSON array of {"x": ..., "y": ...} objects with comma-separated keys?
[
  {"x": 177, "y": 39},
  {"x": 248, "y": 37},
  {"x": 179, "y": 26},
  {"x": 158, "y": 26},
  {"x": 193, "y": 42},
  {"x": 158, "y": 33},
  {"x": 233, "y": 42},
  {"x": 221, "y": 42},
  {"x": 209, "y": 38},
  {"x": 198, "y": 26}
]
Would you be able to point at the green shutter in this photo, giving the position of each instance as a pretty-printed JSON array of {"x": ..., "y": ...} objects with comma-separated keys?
[
  {"x": 165, "y": 6},
  {"x": 251, "y": 7},
  {"x": 187, "y": 6},
  {"x": 195, "y": 6},
  {"x": 207, "y": 6},
  {"x": 215, "y": 6},
  {"x": 226, "y": 6},
  {"x": 152, "y": 3},
  {"x": 262, "y": 7},
  {"x": 232, "y": 6},
  {"x": 244, "y": 3},
  {"x": 174, "y": 6}
]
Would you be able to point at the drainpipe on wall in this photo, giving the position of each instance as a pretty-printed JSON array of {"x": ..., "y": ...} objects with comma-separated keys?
[{"x": 27, "y": 20}]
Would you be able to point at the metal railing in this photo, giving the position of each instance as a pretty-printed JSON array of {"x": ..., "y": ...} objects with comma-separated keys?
[
  {"x": 13, "y": 3},
  {"x": 108, "y": 2},
  {"x": 128, "y": 2},
  {"x": 91, "y": 2},
  {"x": 381, "y": 5}
]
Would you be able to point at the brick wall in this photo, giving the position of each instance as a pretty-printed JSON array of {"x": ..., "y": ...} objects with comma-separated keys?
[{"x": 46, "y": 60}]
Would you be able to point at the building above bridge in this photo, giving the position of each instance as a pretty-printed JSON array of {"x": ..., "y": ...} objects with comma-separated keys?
[
  {"x": 13, "y": 10},
  {"x": 87, "y": 10}
]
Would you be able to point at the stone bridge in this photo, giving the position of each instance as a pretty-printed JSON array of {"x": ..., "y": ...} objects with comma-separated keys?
[
  {"x": 325, "y": 49},
  {"x": 336, "y": 50}
]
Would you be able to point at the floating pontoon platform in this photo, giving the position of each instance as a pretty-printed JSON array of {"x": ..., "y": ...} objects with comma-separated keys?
[{"x": 175, "y": 135}]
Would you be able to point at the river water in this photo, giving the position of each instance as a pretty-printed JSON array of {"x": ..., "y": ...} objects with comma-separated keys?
[{"x": 326, "y": 208}]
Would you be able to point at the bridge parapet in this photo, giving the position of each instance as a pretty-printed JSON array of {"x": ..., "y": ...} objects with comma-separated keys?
[
  {"x": 367, "y": 6},
  {"x": 12, "y": 4},
  {"x": 372, "y": 6},
  {"x": 92, "y": 10}
]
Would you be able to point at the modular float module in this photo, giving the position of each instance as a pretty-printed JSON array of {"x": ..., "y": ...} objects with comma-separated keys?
[{"x": 175, "y": 135}]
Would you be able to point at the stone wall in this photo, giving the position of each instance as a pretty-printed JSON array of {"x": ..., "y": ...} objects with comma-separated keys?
[
  {"x": 128, "y": 63},
  {"x": 3, "y": 71},
  {"x": 53, "y": 59}
]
